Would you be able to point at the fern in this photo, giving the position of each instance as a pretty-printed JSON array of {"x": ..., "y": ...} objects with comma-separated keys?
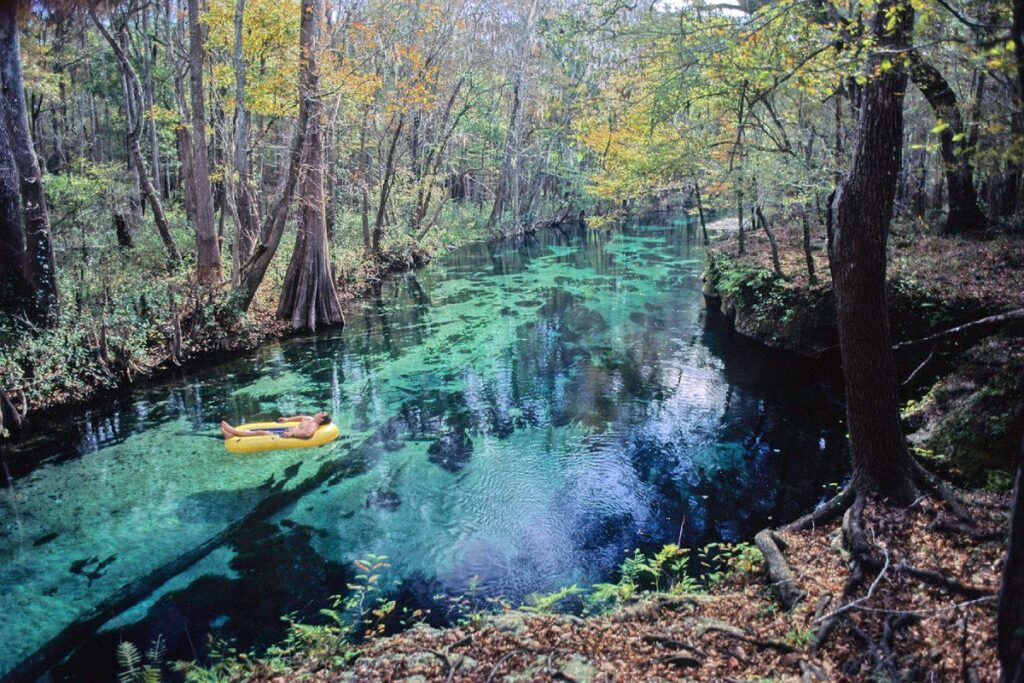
[
  {"x": 547, "y": 602},
  {"x": 155, "y": 654},
  {"x": 130, "y": 660}
]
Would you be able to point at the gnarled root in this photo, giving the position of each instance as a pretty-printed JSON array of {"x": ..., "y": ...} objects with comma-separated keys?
[{"x": 936, "y": 486}]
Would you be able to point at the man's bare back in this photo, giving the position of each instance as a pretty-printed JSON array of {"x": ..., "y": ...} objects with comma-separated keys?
[{"x": 308, "y": 424}]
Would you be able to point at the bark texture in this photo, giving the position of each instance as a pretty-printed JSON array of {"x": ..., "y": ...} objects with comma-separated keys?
[
  {"x": 247, "y": 216},
  {"x": 1011, "y": 592},
  {"x": 859, "y": 226},
  {"x": 39, "y": 275},
  {"x": 308, "y": 298},
  {"x": 12, "y": 238},
  {"x": 208, "y": 266}
]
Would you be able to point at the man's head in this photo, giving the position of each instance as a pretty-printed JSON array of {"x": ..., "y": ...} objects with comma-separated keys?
[{"x": 322, "y": 417}]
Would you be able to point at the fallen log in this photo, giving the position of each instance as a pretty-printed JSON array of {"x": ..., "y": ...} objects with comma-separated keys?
[
  {"x": 782, "y": 579},
  {"x": 992, "y": 321}
]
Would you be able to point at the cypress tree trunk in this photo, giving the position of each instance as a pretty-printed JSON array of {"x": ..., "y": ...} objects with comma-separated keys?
[
  {"x": 39, "y": 272},
  {"x": 308, "y": 298},
  {"x": 12, "y": 238},
  {"x": 208, "y": 267},
  {"x": 861, "y": 213}
]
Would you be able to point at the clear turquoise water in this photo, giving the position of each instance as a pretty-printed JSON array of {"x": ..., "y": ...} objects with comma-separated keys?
[{"x": 516, "y": 416}]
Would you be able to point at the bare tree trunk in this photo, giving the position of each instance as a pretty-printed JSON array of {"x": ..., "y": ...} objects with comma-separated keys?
[
  {"x": 148, "y": 60},
  {"x": 739, "y": 235},
  {"x": 134, "y": 89},
  {"x": 183, "y": 137},
  {"x": 133, "y": 218},
  {"x": 208, "y": 267},
  {"x": 859, "y": 225},
  {"x": 38, "y": 266},
  {"x": 508, "y": 181},
  {"x": 1010, "y": 620},
  {"x": 13, "y": 286},
  {"x": 812, "y": 278},
  {"x": 964, "y": 214},
  {"x": 308, "y": 297},
  {"x": 246, "y": 209},
  {"x": 772, "y": 242},
  {"x": 385, "y": 191},
  {"x": 700, "y": 212},
  {"x": 364, "y": 193}
]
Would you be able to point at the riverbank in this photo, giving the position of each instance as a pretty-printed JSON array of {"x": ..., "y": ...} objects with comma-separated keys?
[
  {"x": 965, "y": 398},
  {"x": 167, "y": 326},
  {"x": 904, "y": 626}
]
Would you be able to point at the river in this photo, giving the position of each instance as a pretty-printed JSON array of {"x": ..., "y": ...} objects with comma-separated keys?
[{"x": 515, "y": 417}]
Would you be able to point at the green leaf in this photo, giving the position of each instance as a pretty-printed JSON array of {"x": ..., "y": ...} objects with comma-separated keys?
[{"x": 941, "y": 126}]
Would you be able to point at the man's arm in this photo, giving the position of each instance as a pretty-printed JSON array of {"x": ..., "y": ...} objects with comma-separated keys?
[{"x": 294, "y": 418}]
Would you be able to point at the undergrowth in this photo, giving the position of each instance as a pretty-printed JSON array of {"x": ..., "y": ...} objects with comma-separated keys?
[{"x": 367, "y": 613}]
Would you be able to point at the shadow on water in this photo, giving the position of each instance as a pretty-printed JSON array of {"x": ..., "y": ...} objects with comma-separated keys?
[{"x": 516, "y": 417}]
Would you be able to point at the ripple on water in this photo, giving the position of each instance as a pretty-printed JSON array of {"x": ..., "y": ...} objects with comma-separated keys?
[{"x": 515, "y": 419}]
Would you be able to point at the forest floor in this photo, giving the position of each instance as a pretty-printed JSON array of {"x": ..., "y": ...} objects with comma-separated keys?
[
  {"x": 895, "y": 627},
  {"x": 986, "y": 270}
]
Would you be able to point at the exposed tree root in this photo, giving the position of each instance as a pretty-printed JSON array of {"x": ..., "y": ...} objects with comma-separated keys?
[
  {"x": 863, "y": 559},
  {"x": 730, "y": 631},
  {"x": 953, "y": 526},
  {"x": 669, "y": 641},
  {"x": 826, "y": 513},
  {"x": 935, "y": 485}
]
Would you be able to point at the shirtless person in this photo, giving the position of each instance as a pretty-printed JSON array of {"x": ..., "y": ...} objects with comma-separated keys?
[{"x": 304, "y": 430}]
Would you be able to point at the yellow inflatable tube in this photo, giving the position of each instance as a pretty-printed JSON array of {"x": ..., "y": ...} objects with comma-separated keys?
[{"x": 254, "y": 444}]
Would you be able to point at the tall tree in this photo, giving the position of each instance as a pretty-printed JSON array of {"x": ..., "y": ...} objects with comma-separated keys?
[
  {"x": 1011, "y": 590},
  {"x": 12, "y": 237},
  {"x": 509, "y": 176},
  {"x": 38, "y": 270},
  {"x": 957, "y": 156},
  {"x": 859, "y": 224},
  {"x": 1010, "y": 620},
  {"x": 246, "y": 215},
  {"x": 208, "y": 266},
  {"x": 308, "y": 297},
  {"x": 133, "y": 90}
]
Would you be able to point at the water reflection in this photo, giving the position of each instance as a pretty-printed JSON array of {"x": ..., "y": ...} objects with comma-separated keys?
[{"x": 516, "y": 415}]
